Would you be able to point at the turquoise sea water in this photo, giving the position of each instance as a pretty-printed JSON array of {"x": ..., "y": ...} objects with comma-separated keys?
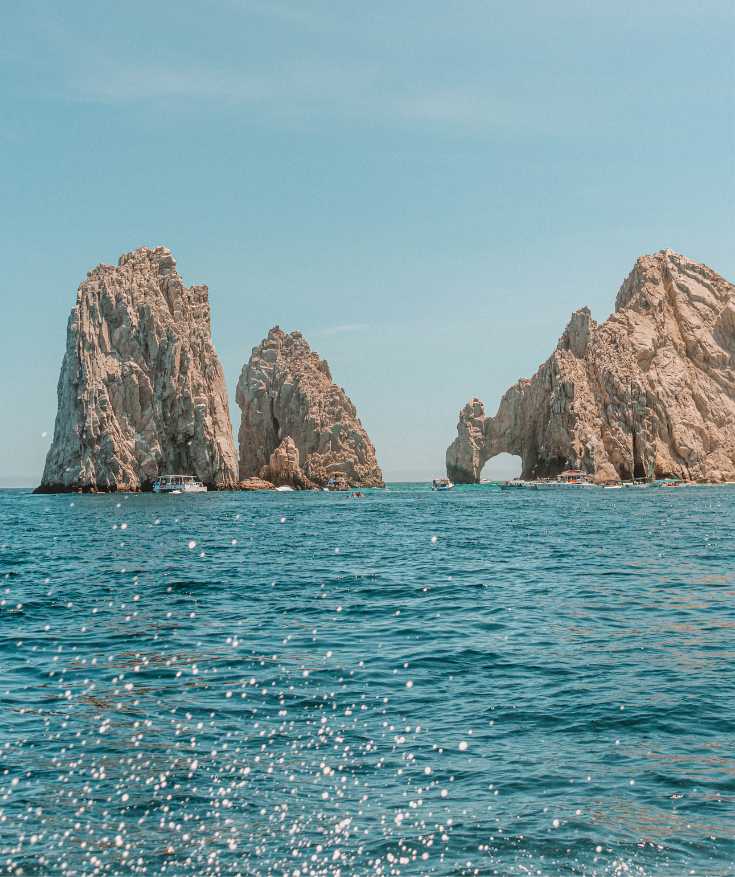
[{"x": 473, "y": 682}]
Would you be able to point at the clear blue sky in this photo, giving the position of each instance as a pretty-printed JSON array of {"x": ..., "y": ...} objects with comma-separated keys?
[{"x": 425, "y": 189}]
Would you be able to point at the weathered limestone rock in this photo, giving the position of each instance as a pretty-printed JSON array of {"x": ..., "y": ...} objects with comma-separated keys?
[
  {"x": 141, "y": 390},
  {"x": 287, "y": 390},
  {"x": 283, "y": 468},
  {"x": 648, "y": 393},
  {"x": 465, "y": 456},
  {"x": 256, "y": 484}
]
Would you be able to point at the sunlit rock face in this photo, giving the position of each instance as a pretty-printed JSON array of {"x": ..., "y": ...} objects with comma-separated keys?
[
  {"x": 466, "y": 454},
  {"x": 283, "y": 469},
  {"x": 286, "y": 390},
  {"x": 141, "y": 391},
  {"x": 648, "y": 393}
]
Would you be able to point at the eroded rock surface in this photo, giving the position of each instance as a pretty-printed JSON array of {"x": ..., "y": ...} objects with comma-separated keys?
[
  {"x": 286, "y": 390},
  {"x": 283, "y": 469},
  {"x": 648, "y": 393},
  {"x": 256, "y": 484},
  {"x": 141, "y": 390}
]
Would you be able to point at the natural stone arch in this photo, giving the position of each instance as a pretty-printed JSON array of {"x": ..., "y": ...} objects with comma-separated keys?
[
  {"x": 649, "y": 393},
  {"x": 502, "y": 467}
]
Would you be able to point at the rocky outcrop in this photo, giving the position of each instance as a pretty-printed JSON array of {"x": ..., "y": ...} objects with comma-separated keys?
[
  {"x": 283, "y": 468},
  {"x": 141, "y": 390},
  {"x": 466, "y": 455},
  {"x": 648, "y": 393},
  {"x": 286, "y": 390},
  {"x": 256, "y": 484}
]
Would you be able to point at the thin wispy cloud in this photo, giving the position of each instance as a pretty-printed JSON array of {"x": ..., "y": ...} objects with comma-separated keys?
[
  {"x": 455, "y": 107},
  {"x": 289, "y": 13},
  {"x": 359, "y": 88},
  {"x": 359, "y": 83},
  {"x": 310, "y": 85},
  {"x": 152, "y": 83},
  {"x": 354, "y": 95},
  {"x": 342, "y": 329}
]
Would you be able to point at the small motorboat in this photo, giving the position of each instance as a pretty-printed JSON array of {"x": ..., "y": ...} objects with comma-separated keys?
[
  {"x": 441, "y": 484},
  {"x": 178, "y": 484},
  {"x": 519, "y": 484},
  {"x": 574, "y": 478},
  {"x": 285, "y": 488}
]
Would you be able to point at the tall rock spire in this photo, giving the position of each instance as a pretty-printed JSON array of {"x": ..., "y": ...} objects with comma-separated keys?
[{"x": 141, "y": 390}]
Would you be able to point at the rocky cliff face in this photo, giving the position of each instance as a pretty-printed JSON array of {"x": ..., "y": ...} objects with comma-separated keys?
[
  {"x": 141, "y": 390},
  {"x": 287, "y": 390},
  {"x": 648, "y": 393}
]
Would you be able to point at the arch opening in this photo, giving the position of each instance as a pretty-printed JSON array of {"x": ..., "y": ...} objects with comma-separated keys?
[{"x": 501, "y": 467}]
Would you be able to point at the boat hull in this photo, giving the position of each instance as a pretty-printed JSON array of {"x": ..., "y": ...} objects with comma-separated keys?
[{"x": 179, "y": 489}]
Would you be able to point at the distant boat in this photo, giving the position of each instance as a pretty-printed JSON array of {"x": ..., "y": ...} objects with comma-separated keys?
[
  {"x": 574, "y": 478},
  {"x": 284, "y": 488},
  {"x": 178, "y": 484},
  {"x": 568, "y": 478},
  {"x": 441, "y": 484}
]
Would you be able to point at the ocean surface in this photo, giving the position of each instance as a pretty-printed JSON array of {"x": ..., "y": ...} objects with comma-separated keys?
[{"x": 475, "y": 682}]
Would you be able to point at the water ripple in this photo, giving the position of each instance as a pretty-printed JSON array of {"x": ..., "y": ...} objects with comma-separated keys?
[{"x": 479, "y": 682}]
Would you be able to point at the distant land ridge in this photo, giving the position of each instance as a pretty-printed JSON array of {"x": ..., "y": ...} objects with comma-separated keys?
[
  {"x": 649, "y": 393},
  {"x": 141, "y": 390}
]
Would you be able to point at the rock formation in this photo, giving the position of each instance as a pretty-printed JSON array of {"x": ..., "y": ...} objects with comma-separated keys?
[
  {"x": 648, "y": 393},
  {"x": 141, "y": 390},
  {"x": 283, "y": 468},
  {"x": 286, "y": 390},
  {"x": 256, "y": 484}
]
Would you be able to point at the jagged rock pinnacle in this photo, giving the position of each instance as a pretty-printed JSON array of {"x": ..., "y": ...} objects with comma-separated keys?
[
  {"x": 141, "y": 390},
  {"x": 285, "y": 390}
]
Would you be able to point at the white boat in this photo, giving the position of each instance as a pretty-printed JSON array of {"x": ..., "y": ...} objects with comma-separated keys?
[
  {"x": 574, "y": 478},
  {"x": 519, "y": 484},
  {"x": 178, "y": 484},
  {"x": 441, "y": 484},
  {"x": 284, "y": 488}
]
